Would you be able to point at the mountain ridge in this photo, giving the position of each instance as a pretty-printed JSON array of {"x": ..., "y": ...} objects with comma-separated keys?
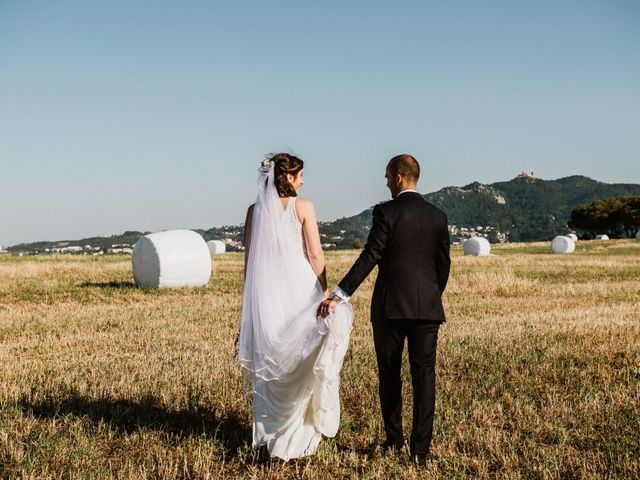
[
  {"x": 524, "y": 208},
  {"x": 521, "y": 209}
]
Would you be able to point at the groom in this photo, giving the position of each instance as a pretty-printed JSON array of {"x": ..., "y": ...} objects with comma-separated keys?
[{"x": 409, "y": 242}]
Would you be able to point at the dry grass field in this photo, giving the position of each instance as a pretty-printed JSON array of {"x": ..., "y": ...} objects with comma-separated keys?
[{"x": 538, "y": 373}]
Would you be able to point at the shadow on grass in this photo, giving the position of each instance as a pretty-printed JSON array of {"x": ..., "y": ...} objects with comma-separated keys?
[
  {"x": 113, "y": 284},
  {"x": 125, "y": 286},
  {"x": 126, "y": 416}
]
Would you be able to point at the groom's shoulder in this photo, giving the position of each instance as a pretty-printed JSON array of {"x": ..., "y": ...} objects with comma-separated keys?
[
  {"x": 435, "y": 209},
  {"x": 383, "y": 207},
  {"x": 436, "y": 212},
  {"x": 419, "y": 204}
]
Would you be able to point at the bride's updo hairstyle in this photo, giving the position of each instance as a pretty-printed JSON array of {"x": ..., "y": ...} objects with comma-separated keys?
[{"x": 285, "y": 164}]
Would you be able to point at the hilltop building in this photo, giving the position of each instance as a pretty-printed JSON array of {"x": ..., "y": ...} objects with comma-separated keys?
[{"x": 524, "y": 174}]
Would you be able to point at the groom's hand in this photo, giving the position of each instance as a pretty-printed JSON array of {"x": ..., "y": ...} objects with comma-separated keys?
[{"x": 326, "y": 307}]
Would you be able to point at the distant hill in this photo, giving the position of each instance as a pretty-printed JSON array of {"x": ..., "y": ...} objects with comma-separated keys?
[
  {"x": 233, "y": 235},
  {"x": 521, "y": 209}
]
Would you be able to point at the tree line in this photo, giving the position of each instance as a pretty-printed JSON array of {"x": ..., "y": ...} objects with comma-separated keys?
[{"x": 617, "y": 217}]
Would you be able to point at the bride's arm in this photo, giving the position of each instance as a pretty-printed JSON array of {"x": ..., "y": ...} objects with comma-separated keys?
[
  {"x": 246, "y": 240},
  {"x": 307, "y": 215}
]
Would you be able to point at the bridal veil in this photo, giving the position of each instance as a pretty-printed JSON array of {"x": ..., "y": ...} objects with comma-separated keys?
[{"x": 292, "y": 358}]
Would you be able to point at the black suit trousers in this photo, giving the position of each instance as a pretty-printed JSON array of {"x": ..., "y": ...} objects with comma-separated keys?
[{"x": 422, "y": 337}]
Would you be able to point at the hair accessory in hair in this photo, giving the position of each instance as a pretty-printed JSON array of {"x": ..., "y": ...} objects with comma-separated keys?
[{"x": 267, "y": 164}]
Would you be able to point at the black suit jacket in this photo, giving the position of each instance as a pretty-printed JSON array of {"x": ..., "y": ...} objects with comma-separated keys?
[{"x": 409, "y": 242}]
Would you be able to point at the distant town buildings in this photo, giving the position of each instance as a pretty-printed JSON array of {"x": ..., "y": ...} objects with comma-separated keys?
[
  {"x": 115, "y": 249},
  {"x": 233, "y": 243},
  {"x": 64, "y": 248},
  {"x": 460, "y": 233},
  {"x": 324, "y": 236},
  {"x": 118, "y": 249}
]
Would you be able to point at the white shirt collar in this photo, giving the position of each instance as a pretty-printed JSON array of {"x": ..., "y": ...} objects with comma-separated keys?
[{"x": 406, "y": 191}]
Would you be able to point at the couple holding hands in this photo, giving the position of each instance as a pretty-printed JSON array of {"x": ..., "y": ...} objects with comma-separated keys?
[{"x": 293, "y": 336}]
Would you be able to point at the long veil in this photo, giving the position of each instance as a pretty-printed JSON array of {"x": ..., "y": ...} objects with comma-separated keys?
[{"x": 278, "y": 329}]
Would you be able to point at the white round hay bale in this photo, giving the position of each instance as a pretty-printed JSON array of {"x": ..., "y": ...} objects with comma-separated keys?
[
  {"x": 562, "y": 244},
  {"x": 477, "y": 247},
  {"x": 638, "y": 235},
  {"x": 573, "y": 237},
  {"x": 602, "y": 237},
  {"x": 171, "y": 259},
  {"x": 216, "y": 247}
]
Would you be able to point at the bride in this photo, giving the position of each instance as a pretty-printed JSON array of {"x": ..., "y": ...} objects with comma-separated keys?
[{"x": 292, "y": 358}]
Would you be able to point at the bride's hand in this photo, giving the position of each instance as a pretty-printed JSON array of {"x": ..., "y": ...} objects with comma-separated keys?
[{"x": 325, "y": 308}]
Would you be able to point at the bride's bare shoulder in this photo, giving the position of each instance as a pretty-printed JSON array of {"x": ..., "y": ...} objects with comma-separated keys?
[
  {"x": 304, "y": 208},
  {"x": 304, "y": 202}
]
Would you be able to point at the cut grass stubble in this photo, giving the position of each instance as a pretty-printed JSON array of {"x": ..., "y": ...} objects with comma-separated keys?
[{"x": 538, "y": 373}]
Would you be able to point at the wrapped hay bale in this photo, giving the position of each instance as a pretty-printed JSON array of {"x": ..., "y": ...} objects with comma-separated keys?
[
  {"x": 477, "y": 247},
  {"x": 638, "y": 235},
  {"x": 573, "y": 237},
  {"x": 562, "y": 244},
  {"x": 602, "y": 237},
  {"x": 171, "y": 259},
  {"x": 216, "y": 247}
]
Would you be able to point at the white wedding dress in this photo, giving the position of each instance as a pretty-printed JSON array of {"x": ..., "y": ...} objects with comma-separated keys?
[{"x": 292, "y": 358}]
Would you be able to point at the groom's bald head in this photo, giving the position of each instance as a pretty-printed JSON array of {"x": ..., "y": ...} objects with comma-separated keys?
[{"x": 406, "y": 166}]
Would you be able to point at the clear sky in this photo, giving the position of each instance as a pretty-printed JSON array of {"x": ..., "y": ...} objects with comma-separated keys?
[{"x": 152, "y": 115}]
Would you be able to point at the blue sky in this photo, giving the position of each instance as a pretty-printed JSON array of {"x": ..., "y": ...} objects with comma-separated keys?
[{"x": 155, "y": 115}]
